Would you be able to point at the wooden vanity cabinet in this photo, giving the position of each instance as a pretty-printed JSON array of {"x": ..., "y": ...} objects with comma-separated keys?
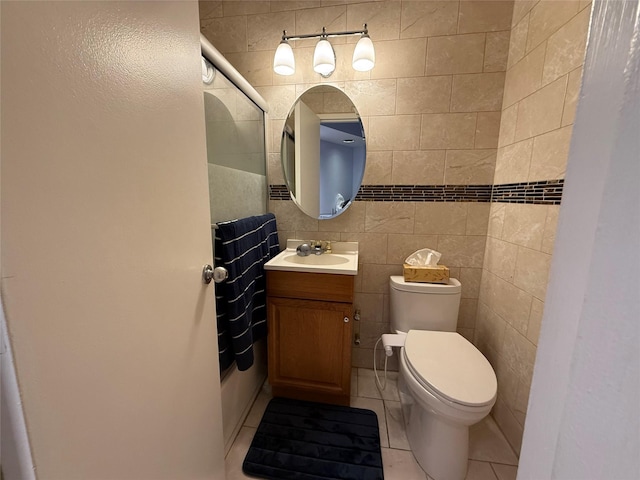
[{"x": 310, "y": 322}]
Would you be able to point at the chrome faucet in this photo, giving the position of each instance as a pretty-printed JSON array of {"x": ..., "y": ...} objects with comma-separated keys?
[
  {"x": 303, "y": 250},
  {"x": 321, "y": 246},
  {"x": 317, "y": 247}
]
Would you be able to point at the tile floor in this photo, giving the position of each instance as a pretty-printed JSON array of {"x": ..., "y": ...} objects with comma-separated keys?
[{"x": 490, "y": 456}]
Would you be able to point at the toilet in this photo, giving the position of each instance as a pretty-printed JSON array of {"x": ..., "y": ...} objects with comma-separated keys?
[{"x": 445, "y": 383}]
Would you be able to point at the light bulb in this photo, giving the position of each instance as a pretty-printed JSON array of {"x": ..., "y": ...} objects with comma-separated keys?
[
  {"x": 283, "y": 60},
  {"x": 364, "y": 56},
  {"x": 324, "y": 59}
]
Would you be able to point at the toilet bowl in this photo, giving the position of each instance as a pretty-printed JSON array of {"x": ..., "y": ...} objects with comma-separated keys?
[
  {"x": 441, "y": 396},
  {"x": 445, "y": 382}
]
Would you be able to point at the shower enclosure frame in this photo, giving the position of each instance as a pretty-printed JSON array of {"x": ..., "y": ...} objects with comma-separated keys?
[{"x": 239, "y": 389}]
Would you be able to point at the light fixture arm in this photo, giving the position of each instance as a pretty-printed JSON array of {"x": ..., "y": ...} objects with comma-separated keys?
[{"x": 324, "y": 34}]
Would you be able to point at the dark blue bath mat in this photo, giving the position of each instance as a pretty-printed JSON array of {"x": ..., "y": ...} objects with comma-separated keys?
[{"x": 299, "y": 440}]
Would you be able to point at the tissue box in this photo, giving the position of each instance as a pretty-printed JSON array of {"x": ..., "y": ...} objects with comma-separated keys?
[{"x": 426, "y": 274}]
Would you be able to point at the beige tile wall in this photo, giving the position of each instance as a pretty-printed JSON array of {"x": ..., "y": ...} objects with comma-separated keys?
[
  {"x": 431, "y": 109},
  {"x": 540, "y": 92}
]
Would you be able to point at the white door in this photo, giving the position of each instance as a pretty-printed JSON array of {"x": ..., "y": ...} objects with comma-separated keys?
[
  {"x": 307, "y": 159},
  {"x": 105, "y": 230}
]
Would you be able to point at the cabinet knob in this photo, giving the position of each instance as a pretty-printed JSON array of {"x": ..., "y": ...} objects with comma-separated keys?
[{"x": 346, "y": 319}]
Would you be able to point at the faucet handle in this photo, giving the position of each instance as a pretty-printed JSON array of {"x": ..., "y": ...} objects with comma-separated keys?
[
  {"x": 303, "y": 250},
  {"x": 327, "y": 248}
]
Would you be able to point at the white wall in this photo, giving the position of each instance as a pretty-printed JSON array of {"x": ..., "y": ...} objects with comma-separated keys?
[
  {"x": 336, "y": 174},
  {"x": 238, "y": 391},
  {"x": 583, "y": 420}
]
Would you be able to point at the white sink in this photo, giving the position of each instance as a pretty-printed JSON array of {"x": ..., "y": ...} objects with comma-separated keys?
[
  {"x": 343, "y": 259},
  {"x": 324, "y": 259}
]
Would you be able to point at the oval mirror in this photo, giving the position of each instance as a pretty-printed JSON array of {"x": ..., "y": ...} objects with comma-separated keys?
[{"x": 323, "y": 152}]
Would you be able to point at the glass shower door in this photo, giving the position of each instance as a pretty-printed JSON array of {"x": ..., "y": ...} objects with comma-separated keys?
[{"x": 236, "y": 154}]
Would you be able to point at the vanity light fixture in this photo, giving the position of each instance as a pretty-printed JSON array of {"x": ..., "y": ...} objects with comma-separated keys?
[
  {"x": 324, "y": 57},
  {"x": 283, "y": 61},
  {"x": 364, "y": 56}
]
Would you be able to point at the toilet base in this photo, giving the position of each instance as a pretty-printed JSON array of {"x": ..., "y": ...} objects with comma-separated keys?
[
  {"x": 437, "y": 428},
  {"x": 441, "y": 449},
  {"x": 440, "y": 446}
]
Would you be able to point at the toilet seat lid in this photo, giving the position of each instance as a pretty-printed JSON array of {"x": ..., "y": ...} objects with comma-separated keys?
[{"x": 451, "y": 366}]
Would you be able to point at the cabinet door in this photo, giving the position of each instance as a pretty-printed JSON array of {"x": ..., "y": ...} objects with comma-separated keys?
[{"x": 310, "y": 349}]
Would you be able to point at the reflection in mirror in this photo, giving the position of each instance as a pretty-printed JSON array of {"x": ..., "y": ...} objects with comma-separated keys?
[
  {"x": 323, "y": 152},
  {"x": 235, "y": 149}
]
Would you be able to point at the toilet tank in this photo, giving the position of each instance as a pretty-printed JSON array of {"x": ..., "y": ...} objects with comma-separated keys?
[{"x": 424, "y": 306}]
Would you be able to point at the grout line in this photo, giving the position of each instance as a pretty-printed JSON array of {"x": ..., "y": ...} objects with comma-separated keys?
[
  {"x": 484, "y": 54},
  {"x": 493, "y": 462}
]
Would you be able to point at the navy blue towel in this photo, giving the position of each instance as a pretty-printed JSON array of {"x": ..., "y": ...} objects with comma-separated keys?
[{"x": 243, "y": 247}]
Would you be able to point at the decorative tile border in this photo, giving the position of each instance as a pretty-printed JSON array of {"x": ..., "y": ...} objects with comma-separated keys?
[
  {"x": 546, "y": 192},
  {"x": 279, "y": 192},
  {"x": 424, "y": 193}
]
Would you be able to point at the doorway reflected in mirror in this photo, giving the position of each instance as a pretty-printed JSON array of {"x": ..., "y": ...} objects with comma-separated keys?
[{"x": 323, "y": 152}]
